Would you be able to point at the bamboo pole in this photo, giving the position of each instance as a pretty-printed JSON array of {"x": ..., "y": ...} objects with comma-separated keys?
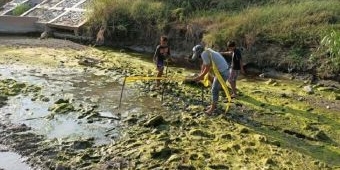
[{"x": 121, "y": 92}]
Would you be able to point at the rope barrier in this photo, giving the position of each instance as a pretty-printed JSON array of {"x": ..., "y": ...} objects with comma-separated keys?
[
  {"x": 205, "y": 82},
  {"x": 135, "y": 78}
]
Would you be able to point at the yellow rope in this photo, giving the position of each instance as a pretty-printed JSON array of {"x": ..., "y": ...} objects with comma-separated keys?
[
  {"x": 135, "y": 78},
  {"x": 221, "y": 81},
  {"x": 205, "y": 81}
]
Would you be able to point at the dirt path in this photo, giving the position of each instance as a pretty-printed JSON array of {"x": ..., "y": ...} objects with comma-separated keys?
[{"x": 19, "y": 41}]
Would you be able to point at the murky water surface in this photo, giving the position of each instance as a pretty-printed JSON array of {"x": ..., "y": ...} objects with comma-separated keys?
[
  {"x": 11, "y": 161},
  {"x": 85, "y": 87}
]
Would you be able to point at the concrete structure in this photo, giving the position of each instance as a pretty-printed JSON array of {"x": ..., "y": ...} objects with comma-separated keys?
[
  {"x": 56, "y": 14},
  {"x": 15, "y": 24}
]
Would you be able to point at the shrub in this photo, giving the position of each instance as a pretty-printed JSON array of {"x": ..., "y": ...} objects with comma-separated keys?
[{"x": 332, "y": 44}]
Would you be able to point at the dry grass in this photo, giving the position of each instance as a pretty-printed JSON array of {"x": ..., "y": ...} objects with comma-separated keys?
[{"x": 291, "y": 23}]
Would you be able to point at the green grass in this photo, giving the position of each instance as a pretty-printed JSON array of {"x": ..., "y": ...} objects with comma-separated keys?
[
  {"x": 330, "y": 45},
  {"x": 287, "y": 24},
  {"x": 298, "y": 25},
  {"x": 290, "y": 23},
  {"x": 20, "y": 9},
  {"x": 125, "y": 12}
]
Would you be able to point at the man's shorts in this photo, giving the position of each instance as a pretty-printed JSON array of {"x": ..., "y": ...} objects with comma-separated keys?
[{"x": 160, "y": 65}]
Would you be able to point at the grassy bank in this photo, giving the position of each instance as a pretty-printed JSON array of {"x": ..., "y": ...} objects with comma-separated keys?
[
  {"x": 287, "y": 22},
  {"x": 297, "y": 27}
]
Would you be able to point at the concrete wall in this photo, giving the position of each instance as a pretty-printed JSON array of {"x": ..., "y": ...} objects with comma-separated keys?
[{"x": 14, "y": 24}]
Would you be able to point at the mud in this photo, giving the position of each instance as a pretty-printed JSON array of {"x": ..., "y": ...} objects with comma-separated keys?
[{"x": 272, "y": 124}]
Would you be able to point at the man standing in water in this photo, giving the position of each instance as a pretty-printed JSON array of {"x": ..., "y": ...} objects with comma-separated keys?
[
  {"x": 209, "y": 57},
  {"x": 162, "y": 53},
  {"x": 236, "y": 65}
]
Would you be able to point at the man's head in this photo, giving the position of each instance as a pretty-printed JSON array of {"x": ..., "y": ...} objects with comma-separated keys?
[
  {"x": 164, "y": 40},
  {"x": 231, "y": 45},
  {"x": 197, "y": 51}
]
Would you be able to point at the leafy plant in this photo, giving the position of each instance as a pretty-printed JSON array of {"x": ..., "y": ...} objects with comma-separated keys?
[
  {"x": 327, "y": 55},
  {"x": 331, "y": 44}
]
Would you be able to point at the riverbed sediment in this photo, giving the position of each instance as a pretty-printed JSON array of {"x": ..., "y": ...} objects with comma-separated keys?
[{"x": 284, "y": 123}]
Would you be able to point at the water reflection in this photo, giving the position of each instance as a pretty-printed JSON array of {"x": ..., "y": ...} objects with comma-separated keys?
[
  {"x": 11, "y": 161},
  {"x": 83, "y": 87}
]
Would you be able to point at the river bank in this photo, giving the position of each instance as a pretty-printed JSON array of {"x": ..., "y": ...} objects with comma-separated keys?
[{"x": 286, "y": 123}]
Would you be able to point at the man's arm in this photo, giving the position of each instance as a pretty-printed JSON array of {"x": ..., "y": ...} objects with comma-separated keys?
[
  {"x": 204, "y": 70},
  {"x": 227, "y": 53},
  {"x": 155, "y": 56}
]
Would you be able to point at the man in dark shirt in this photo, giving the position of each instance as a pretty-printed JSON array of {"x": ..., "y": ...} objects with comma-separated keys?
[
  {"x": 236, "y": 65},
  {"x": 162, "y": 53}
]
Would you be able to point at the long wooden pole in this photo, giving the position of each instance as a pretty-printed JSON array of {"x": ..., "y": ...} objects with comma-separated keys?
[
  {"x": 166, "y": 74},
  {"x": 121, "y": 92},
  {"x": 202, "y": 93}
]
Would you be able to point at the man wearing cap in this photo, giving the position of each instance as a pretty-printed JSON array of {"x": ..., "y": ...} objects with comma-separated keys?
[{"x": 208, "y": 56}]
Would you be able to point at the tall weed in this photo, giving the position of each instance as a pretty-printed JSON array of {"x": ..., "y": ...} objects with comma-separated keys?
[{"x": 328, "y": 53}]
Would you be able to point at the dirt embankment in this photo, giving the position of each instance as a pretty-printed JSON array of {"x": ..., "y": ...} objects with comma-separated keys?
[{"x": 19, "y": 41}]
